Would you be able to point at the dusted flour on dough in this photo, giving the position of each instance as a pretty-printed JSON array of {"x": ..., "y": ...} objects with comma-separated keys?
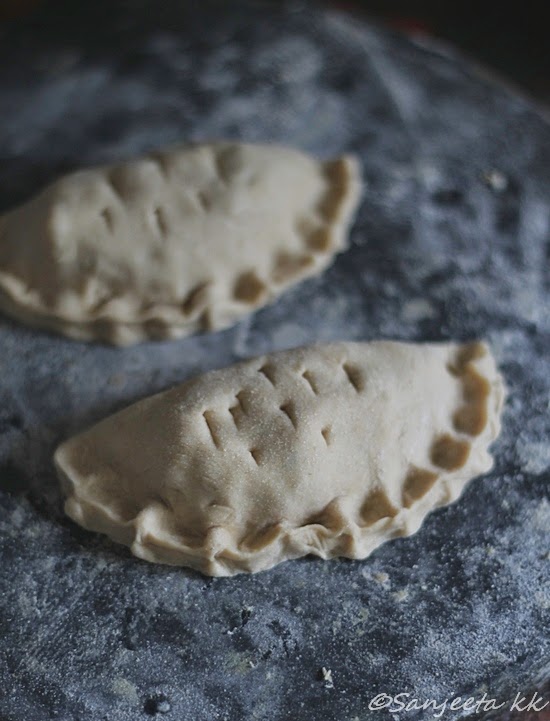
[
  {"x": 191, "y": 238},
  {"x": 328, "y": 450}
]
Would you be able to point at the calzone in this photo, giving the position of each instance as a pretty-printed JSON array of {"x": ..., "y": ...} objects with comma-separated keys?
[
  {"x": 187, "y": 239},
  {"x": 327, "y": 450}
]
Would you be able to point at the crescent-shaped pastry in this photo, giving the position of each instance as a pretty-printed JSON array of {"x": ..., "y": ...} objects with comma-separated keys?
[
  {"x": 188, "y": 239},
  {"x": 325, "y": 450}
]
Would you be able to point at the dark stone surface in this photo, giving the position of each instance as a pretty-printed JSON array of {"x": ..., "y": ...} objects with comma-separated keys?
[{"x": 442, "y": 249}]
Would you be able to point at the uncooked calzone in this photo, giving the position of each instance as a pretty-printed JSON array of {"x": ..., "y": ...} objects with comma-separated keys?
[
  {"x": 328, "y": 450},
  {"x": 183, "y": 240}
]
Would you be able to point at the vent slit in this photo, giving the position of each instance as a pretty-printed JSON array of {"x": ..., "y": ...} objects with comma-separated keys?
[
  {"x": 203, "y": 200},
  {"x": 207, "y": 415},
  {"x": 107, "y": 215},
  {"x": 268, "y": 373},
  {"x": 353, "y": 376},
  {"x": 159, "y": 219},
  {"x": 234, "y": 412},
  {"x": 306, "y": 375},
  {"x": 114, "y": 185},
  {"x": 160, "y": 162},
  {"x": 288, "y": 410}
]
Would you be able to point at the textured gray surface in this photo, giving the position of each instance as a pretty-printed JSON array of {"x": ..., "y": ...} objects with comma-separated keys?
[{"x": 440, "y": 250}]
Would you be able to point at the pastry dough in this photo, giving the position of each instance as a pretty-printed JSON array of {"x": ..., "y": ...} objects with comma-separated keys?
[
  {"x": 183, "y": 240},
  {"x": 328, "y": 450}
]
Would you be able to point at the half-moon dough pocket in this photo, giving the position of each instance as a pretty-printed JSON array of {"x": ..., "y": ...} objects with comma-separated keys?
[
  {"x": 328, "y": 450},
  {"x": 188, "y": 239}
]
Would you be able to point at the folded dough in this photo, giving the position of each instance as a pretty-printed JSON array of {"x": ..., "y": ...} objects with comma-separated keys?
[
  {"x": 328, "y": 450},
  {"x": 183, "y": 240}
]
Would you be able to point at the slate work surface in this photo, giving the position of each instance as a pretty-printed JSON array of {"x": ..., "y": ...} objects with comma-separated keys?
[{"x": 452, "y": 241}]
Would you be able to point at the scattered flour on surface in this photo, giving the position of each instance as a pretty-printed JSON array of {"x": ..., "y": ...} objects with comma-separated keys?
[
  {"x": 534, "y": 455},
  {"x": 417, "y": 309}
]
